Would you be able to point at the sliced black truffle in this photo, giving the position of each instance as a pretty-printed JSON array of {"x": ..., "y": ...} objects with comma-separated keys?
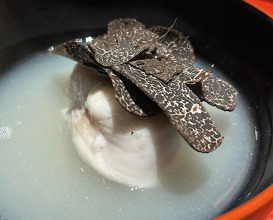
[
  {"x": 131, "y": 97},
  {"x": 219, "y": 93},
  {"x": 177, "y": 43},
  {"x": 126, "y": 92},
  {"x": 108, "y": 52},
  {"x": 181, "y": 105},
  {"x": 126, "y": 38},
  {"x": 160, "y": 63},
  {"x": 152, "y": 70},
  {"x": 79, "y": 53},
  {"x": 192, "y": 75},
  {"x": 129, "y": 28},
  {"x": 119, "y": 26}
]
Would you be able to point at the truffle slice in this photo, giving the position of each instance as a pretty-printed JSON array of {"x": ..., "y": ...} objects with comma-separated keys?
[
  {"x": 126, "y": 96},
  {"x": 126, "y": 38},
  {"x": 159, "y": 62},
  {"x": 219, "y": 93},
  {"x": 130, "y": 97},
  {"x": 115, "y": 27},
  {"x": 177, "y": 43},
  {"x": 79, "y": 53},
  {"x": 108, "y": 52},
  {"x": 129, "y": 28},
  {"x": 192, "y": 75},
  {"x": 181, "y": 105},
  {"x": 214, "y": 91}
]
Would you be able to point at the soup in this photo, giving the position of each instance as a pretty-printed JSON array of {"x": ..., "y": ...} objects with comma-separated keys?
[{"x": 42, "y": 176}]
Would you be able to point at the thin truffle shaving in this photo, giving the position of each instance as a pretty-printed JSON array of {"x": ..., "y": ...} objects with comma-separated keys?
[{"x": 152, "y": 70}]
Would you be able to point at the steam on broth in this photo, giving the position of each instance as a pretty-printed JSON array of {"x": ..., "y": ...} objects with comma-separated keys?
[{"x": 42, "y": 176}]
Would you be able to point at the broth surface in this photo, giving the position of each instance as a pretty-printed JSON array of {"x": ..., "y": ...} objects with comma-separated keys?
[{"x": 42, "y": 176}]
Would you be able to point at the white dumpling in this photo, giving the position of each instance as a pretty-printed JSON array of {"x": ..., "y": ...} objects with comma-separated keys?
[{"x": 120, "y": 146}]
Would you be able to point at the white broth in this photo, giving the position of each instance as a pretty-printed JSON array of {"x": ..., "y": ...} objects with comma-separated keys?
[{"x": 43, "y": 177}]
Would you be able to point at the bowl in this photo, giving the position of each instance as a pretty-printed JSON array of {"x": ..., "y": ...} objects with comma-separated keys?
[{"x": 233, "y": 36}]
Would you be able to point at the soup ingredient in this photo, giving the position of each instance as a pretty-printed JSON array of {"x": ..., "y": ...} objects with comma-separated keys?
[
  {"x": 118, "y": 145},
  {"x": 163, "y": 71},
  {"x": 179, "y": 44},
  {"x": 219, "y": 93},
  {"x": 128, "y": 95},
  {"x": 195, "y": 124}
]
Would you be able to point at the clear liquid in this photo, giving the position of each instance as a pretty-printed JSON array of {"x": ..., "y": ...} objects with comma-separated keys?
[{"x": 42, "y": 176}]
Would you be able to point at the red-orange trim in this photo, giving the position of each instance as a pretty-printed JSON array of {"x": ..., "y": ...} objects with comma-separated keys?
[
  {"x": 258, "y": 208},
  {"x": 266, "y": 6}
]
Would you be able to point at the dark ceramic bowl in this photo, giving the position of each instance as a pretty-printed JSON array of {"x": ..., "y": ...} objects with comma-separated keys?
[{"x": 232, "y": 35}]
